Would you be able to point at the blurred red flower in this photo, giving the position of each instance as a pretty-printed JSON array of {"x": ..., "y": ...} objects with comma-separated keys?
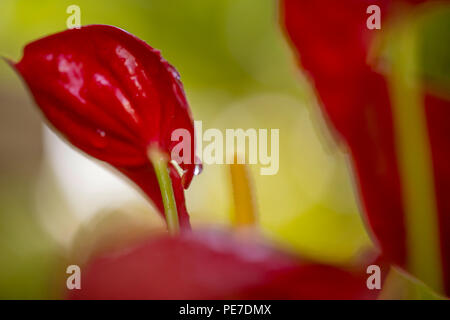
[
  {"x": 214, "y": 265},
  {"x": 333, "y": 44}
]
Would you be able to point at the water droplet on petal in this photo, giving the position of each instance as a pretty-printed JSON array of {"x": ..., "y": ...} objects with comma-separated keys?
[
  {"x": 100, "y": 140},
  {"x": 198, "y": 169}
]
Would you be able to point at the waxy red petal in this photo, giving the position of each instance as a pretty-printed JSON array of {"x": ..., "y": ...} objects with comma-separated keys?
[
  {"x": 212, "y": 265},
  {"x": 333, "y": 43},
  {"x": 112, "y": 96}
]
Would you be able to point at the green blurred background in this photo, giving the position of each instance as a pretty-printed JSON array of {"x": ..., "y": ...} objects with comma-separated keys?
[{"x": 238, "y": 72}]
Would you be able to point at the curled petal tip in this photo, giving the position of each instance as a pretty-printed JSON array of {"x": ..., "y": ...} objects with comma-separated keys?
[
  {"x": 9, "y": 61},
  {"x": 186, "y": 179}
]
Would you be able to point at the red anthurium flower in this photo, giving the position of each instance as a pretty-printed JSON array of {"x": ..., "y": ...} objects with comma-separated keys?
[
  {"x": 334, "y": 43},
  {"x": 213, "y": 265},
  {"x": 112, "y": 96}
]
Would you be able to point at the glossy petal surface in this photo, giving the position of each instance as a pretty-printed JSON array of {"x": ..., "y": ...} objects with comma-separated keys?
[{"x": 112, "y": 96}]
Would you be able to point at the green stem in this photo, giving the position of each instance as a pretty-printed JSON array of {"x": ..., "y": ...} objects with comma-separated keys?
[
  {"x": 414, "y": 156},
  {"x": 159, "y": 162}
]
